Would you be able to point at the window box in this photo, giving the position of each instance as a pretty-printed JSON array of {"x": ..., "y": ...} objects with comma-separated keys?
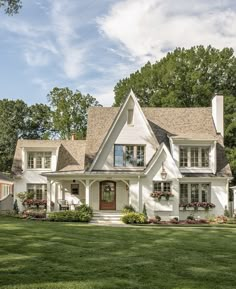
[
  {"x": 197, "y": 206},
  {"x": 159, "y": 195}
]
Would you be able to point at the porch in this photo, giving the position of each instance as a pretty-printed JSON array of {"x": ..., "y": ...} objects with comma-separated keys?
[{"x": 100, "y": 194}]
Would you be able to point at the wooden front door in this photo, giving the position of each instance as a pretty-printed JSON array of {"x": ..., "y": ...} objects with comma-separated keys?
[{"x": 107, "y": 195}]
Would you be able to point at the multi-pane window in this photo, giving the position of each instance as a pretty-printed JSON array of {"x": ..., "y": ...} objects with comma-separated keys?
[
  {"x": 183, "y": 157},
  {"x": 129, "y": 155},
  {"x": 140, "y": 156},
  {"x": 194, "y": 157},
  {"x": 39, "y": 160},
  {"x": 205, "y": 192},
  {"x": 183, "y": 193},
  {"x": 164, "y": 187},
  {"x": 39, "y": 190},
  {"x": 194, "y": 192},
  {"x": 5, "y": 190},
  {"x": 205, "y": 157}
]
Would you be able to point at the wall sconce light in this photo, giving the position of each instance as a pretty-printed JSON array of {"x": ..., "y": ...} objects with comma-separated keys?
[{"x": 163, "y": 173}]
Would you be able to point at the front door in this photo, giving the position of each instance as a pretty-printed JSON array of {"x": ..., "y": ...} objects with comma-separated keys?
[{"x": 107, "y": 195}]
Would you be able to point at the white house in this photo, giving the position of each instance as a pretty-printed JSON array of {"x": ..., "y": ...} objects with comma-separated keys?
[{"x": 132, "y": 155}]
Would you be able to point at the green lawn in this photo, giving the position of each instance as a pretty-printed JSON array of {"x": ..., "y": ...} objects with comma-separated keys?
[{"x": 69, "y": 255}]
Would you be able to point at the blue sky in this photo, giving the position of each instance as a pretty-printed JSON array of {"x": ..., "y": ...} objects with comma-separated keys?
[{"x": 90, "y": 44}]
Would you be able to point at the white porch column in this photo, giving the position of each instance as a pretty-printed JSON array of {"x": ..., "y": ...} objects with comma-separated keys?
[
  {"x": 140, "y": 196},
  {"x": 87, "y": 193},
  {"x": 49, "y": 195}
]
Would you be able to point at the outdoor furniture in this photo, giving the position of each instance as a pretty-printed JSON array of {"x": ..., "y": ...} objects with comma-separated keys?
[{"x": 63, "y": 205}]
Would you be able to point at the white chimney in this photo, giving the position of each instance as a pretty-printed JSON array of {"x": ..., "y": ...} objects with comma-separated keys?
[{"x": 218, "y": 113}]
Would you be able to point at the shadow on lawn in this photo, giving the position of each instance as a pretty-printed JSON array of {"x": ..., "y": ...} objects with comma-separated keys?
[{"x": 60, "y": 255}]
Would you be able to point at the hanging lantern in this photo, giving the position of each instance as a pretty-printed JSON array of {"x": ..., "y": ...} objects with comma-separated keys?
[{"x": 163, "y": 173}]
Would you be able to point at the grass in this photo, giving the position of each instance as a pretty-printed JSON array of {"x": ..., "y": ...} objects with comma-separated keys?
[{"x": 35, "y": 255}]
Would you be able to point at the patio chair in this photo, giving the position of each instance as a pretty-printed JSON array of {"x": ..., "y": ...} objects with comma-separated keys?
[{"x": 63, "y": 205}]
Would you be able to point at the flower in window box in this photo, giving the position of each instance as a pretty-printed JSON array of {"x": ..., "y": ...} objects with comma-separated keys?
[
  {"x": 168, "y": 195},
  {"x": 196, "y": 205}
]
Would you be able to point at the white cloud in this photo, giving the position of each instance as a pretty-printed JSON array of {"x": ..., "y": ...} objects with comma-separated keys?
[{"x": 148, "y": 29}]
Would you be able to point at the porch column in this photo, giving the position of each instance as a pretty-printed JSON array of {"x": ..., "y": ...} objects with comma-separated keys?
[
  {"x": 49, "y": 196},
  {"x": 140, "y": 196},
  {"x": 87, "y": 193}
]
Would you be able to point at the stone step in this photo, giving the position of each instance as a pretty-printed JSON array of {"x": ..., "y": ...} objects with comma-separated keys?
[{"x": 106, "y": 217}]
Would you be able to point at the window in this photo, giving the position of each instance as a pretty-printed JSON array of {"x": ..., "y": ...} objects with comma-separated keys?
[
  {"x": 39, "y": 190},
  {"x": 6, "y": 190},
  {"x": 194, "y": 192},
  {"x": 194, "y": 157},
  {"x": 39, "y": 160},
  {"x": 183, "y": 193},
  {"x": 164, "y": 187},
  {"x": 75, "y": 189},
  {"x": 183, "y": 157},
  {"x": 130, "y": 117},
  {"x": 129, "y": 155}
]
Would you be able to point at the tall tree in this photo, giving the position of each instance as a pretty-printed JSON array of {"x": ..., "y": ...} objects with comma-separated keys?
[
  {"x": 12, "y": 117},
  {"x": 11, "y": 7},
  {"x": 38, "y": 123},
  {"x": 70, "y": 111},
  {"x": 187, "y": 78}
]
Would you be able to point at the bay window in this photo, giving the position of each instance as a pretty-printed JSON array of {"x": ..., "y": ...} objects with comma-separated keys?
[
  {"x": 39, "y": 160},
  {"x": 194, "y": 157},
  {"x": 129, "y": 155}
]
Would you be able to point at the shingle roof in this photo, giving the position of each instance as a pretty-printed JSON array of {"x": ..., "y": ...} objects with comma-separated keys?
[
  {"x": 70, "y": 155},
  {"x": 175, "y": 122},
  {"x": 194, "y": 123}
]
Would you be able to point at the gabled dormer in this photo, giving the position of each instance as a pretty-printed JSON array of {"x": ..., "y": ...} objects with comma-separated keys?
[{"x": 130, "y": 142}]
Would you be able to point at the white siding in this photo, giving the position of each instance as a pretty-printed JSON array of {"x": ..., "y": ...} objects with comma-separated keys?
[{"x": 138, "y": 133}]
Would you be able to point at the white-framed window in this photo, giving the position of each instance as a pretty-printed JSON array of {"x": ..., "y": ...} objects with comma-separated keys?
[
  {"x": 39, "y": 160},
  {"x": 129, "y": 155},
  {"x": 39, "y": 191},
  {"x": 195, "y": 192},
  {"x": 6, "y": 190},
  {"x": 164, "y": 187},
  {"x": 194, "y": 157}
]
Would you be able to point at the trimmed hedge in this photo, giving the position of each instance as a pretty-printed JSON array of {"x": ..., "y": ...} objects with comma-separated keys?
[
  {"x": 133, "y": 218},
  {"x": 82, "y": 213}
]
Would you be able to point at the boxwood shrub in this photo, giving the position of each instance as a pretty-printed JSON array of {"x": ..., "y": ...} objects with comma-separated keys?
[
  {"x": 82, "y": 213},
  {"x": 133, "y": 218}
]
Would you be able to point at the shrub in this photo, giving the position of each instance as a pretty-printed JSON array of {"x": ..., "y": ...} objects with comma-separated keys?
[
  {"x": 144, "y": 211},
  {"x": 190, "y": 217},
  {"x": 70, "y": 216},
  {"x": 158, "y": 218},
  {"x": 128, "y": 209},
  {"x": 15, "y": 207},
  {"x": 85, "y": 209},
  {"x": 133, "y": 218},
  {"x": 226, "y": 213},
  {"x": 175, "y": 220}
]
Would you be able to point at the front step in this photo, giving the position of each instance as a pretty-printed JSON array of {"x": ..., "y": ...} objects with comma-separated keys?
[{"x": 106, "y": 217}]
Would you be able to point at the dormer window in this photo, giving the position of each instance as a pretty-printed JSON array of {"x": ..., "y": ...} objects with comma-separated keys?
[
  {"x": 130, "y": 117},
  {"x": 194, "y": 157},
  {"x": 129, "y": 155},
  {"x": 39, "y": 160}
]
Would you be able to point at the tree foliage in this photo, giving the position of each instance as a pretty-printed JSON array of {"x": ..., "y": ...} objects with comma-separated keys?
[
  {"x": 188, "y": 78},
  {"x": 11, "y": 7},
  {"x": 70, "y": 111}
]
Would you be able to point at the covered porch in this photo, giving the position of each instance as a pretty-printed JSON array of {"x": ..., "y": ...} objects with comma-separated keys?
[{"x": 101, "y": 193}]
